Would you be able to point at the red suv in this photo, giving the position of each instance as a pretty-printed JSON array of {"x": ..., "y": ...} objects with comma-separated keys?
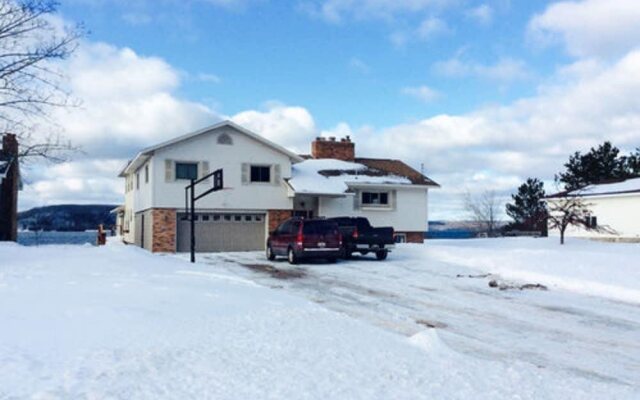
[{"x": 299, "y": 239}]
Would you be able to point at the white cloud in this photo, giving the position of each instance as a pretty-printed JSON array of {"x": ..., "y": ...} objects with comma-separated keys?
[
  {"x": 338, "y": 10},
  {"x": 128, "y": 102},
  {"x": 504, "y": 70},
  {"x": 423, "y": 93},
  {"x": 137, "y": 18},
  {"x": 399, "y": 38},
  {"x": 482, "y": 14},
  {"x": 292, "y": 127},
  {"x": 208, "y": 77},
  {"x": 431, "y": 27},
  {"x": 588, "y": 28},
  {"x": 356, "y": 64},
  {"x": 76, "y": 182},
  {"x": 491, "y": 148}
]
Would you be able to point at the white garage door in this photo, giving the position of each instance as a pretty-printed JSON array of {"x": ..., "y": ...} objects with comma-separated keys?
[{"x": 223, "y": 232}]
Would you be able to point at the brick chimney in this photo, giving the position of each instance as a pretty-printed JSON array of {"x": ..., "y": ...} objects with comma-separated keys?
[{"x": 344, "y": 149}]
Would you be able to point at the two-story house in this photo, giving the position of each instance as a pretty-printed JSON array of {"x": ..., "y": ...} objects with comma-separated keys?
[{"x": 264, "y": 185}]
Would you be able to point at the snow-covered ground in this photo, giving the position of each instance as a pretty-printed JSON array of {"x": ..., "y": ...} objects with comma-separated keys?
[{"x": 118, "y": 322}]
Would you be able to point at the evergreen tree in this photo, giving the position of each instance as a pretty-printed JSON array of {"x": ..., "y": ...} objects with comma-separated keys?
[
  {"x": 528, "y": 210},
  {"x": 633, "y": 163},
  {"x": 598, "y": 165}
]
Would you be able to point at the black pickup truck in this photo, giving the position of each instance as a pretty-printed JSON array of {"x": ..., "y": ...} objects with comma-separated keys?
[{"x": 359, "y": 236}]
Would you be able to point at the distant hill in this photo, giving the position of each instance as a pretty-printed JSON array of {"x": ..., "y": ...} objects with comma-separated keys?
[{"x": 68, "y": 217}]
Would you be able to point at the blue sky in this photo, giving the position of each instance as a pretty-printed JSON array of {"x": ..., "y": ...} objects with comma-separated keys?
[
  {"x": 340, "y": 70},
  {"x": 484, "y": 93}
]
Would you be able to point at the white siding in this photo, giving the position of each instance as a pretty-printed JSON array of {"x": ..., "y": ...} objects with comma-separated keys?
[
  {"x": 128, "y": 221},
  {"x": 247, "y": 196},
  {"x": 408, "y": 215},
  {"x": 621, "y": 213},
  {"x": 143, "y": 196}
]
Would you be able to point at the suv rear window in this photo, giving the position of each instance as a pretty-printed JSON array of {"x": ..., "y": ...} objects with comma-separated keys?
[{"x": 318, "y": 227}]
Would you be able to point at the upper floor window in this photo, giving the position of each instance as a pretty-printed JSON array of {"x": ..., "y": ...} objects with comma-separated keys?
[
  {"x": 138, "y": 180},
  {"x": 186, "y": 170},
  {"x": 146, "y": 173},
  {"x": 225, "y": 139},
  {"x": 375, "y": 198},
  {"x": 260, "y": 173}
]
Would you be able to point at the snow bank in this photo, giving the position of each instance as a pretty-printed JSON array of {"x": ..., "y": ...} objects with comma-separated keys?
[
  {"x": 587, "y": 267},
  {"x": 306, "y": 177},
  {"x": 429, "y": 341},
  {"x": 117, "y": 322}
]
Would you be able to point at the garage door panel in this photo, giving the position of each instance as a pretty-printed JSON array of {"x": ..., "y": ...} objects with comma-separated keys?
[{"x": 234, "y": 232}]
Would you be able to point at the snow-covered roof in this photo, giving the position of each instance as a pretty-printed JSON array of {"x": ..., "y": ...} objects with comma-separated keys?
[
  {"x": 605, "y": 189},
  {"x": 333, "y": 177}
]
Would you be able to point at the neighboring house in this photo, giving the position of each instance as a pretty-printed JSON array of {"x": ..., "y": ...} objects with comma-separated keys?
[
  {"x": 9, "y": 185},
  {"x": 614, "y": 206},
  {"x": 264, "y": 185}
]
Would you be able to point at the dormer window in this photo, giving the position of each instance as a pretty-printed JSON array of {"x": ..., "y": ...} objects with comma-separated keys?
[{"x": 225, "y": 139}]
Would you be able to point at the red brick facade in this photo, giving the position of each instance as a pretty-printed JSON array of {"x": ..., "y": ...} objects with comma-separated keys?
[
  {"x": 413, "y": 237},
  {"x": 164, "y": 230},
  {"x": 344, "y": 149},
  {"x": 275, "y": 217}
]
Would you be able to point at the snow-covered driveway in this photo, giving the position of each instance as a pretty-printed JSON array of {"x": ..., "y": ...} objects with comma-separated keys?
[
  {"x": 587, "y": 324},
  {"x": 116, "y": 322}
]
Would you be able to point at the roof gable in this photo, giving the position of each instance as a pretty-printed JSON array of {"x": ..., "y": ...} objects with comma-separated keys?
[{"x": 146, "y": 153}]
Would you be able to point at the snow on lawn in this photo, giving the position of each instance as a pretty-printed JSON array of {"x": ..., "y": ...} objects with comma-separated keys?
[
  {"x": 587, "y": 267},
  {"x": 117, "y": 322}
]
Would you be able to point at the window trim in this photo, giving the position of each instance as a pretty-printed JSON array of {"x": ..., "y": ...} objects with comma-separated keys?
[
  {"x": 175, "y": 170},
  {"x": 386, "y": 205},
  {"x": 268, "y": 167}
]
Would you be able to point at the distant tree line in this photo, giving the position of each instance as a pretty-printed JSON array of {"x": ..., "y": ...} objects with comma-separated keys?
[{"x": 66, "y": 218}]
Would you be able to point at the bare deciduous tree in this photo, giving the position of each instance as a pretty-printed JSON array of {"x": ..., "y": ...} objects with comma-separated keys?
[
  {"x": 571, "y": 210},
  {"x": 484, "y": 209},
  {"x": 31, "y": 41}
]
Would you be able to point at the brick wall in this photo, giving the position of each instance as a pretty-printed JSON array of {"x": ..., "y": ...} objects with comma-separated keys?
[
  {"x": 344, "y": 149},
  {"x": 414, "y": 237},
  {"x": 164, "y": 230},
  {"x": 275, "y": 217}
]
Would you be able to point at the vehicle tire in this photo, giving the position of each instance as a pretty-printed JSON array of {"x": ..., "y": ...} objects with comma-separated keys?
[
  {"x": 270, "y": 254},
  {"x": 364, "y": 253},
  {"x": 381, "y": 255},
  {"x": 291, "y": 256},
  {"x": 348, "y": 254}
]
